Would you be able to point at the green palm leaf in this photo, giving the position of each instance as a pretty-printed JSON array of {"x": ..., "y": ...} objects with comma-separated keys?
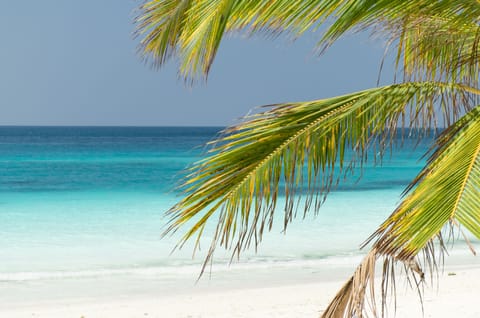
[
  {"x": 361, "y": 14},
  {"x": 447, "y": 189},
  {"x": 193, "y": 29},
  {"x": 437, "y": 48},
  {"x": 305, "y": 146},
  {"x": 445, "y": 193}
]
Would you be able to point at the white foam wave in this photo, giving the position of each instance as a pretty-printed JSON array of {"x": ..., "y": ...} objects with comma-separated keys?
[{"x": 176, "y": 270}]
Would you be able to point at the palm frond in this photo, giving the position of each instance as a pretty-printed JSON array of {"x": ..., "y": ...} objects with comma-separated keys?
[
  {"x": 302, "y": 147},
  {"x": 192, "y": 30},
  {"x": 352, "y": 15},
  {"x": 432, "y": 48},
  {"x": 446, "y": 189},
  {"x": 445, "y": 193}
]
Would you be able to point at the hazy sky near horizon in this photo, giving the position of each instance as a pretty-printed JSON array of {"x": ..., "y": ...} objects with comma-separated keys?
[{"x": 67, "y": 62}]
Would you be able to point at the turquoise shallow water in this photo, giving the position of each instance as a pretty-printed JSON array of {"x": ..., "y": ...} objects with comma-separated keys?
[{"x": 88, "y": 202}]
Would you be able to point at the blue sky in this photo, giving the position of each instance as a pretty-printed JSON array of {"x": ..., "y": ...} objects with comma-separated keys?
[{"x": 74, "y": 63}]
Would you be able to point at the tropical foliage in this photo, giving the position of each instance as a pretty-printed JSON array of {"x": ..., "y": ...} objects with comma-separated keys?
[{"x": 304, "y": 149}]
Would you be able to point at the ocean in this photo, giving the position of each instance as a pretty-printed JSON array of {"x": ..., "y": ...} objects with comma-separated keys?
[{"x": 88, "y": 203}]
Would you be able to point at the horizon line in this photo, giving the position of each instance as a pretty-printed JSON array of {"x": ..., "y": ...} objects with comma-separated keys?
[
  {"x": 117, "y": 126},
  {"x": 147, "y": 126}
]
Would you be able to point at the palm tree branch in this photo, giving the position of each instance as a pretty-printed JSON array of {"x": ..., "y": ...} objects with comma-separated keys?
[
  {"x": 434, "y": 48},
  {"x": 437, "y": 195},
  {"x": 193, "y": 30},
  {"x": 443, "y": 194},
  {"x": 242, "y": 176},
  {"x": 468, "y": 176},
  {"x": 251, "y": 170}
]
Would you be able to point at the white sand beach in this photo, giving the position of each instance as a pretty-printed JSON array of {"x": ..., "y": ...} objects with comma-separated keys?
[{"x": 456, "y": 296}]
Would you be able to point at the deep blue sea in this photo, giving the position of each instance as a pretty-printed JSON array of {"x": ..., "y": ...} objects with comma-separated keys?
[{"x": 89, "y": 201}]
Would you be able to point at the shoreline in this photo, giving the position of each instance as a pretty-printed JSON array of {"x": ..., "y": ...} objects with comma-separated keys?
[{"x": 265, "y": 297}]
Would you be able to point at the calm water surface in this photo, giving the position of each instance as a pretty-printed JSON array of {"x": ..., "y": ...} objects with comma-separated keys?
[{"x": 88, "y": 202}]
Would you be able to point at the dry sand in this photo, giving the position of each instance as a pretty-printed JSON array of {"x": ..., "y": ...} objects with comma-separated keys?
[{"x": 456, "y": 296}]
